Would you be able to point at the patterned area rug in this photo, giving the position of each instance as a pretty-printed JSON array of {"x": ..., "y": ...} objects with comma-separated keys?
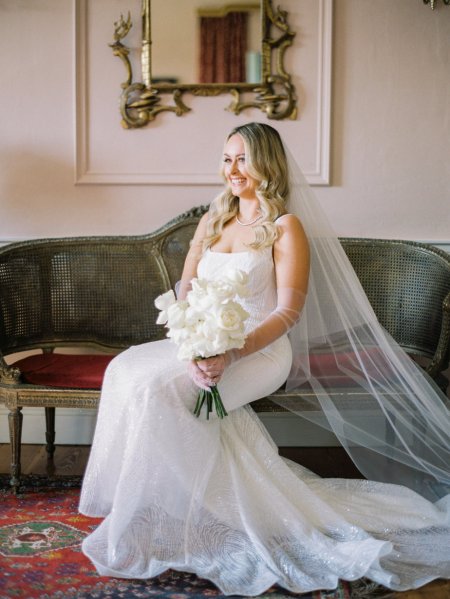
[{"x": 40, "y": 556}]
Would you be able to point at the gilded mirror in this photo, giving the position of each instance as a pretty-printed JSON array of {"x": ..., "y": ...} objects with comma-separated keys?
[{"x": 236, "y": 49}]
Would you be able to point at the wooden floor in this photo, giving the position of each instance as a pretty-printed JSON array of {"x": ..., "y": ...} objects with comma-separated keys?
[{"x": 72, "y": 459}]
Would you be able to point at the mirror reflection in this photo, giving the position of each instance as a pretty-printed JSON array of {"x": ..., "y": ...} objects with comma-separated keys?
[
  {"x": 206, "y": 41},
  {"x": 187, "y": 50}
]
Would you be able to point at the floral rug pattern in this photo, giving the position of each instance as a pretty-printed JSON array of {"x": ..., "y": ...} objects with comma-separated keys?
[{"x": 40, "y": 556}]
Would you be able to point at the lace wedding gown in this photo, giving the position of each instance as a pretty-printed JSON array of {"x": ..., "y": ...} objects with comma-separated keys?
[{"x": 215, "y": 498}]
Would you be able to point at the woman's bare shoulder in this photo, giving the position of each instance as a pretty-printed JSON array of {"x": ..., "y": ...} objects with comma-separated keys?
[
  {"x": 290, "y": 223},
  {"x": 202, "y": 225}
]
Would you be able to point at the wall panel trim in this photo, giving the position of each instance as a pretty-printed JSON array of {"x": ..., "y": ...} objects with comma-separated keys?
[{"x": 318, "y": 175}]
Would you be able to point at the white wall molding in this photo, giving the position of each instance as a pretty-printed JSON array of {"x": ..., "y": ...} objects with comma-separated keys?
[
  {"x": 80, "y": 71},
  {"x": 319, "y": 174}
]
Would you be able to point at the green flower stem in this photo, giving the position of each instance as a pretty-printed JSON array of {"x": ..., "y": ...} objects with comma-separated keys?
[
  {"x": 220, "y": 408},
  {"x": 212, "y": 398},
  {"x": 200, "y": 402}
]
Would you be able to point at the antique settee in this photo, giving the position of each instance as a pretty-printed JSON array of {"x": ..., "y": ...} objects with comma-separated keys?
[{"x": 98, "y": 292}]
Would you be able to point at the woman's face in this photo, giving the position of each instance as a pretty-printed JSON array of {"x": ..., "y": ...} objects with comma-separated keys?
[{"x": 241, "y": 183}]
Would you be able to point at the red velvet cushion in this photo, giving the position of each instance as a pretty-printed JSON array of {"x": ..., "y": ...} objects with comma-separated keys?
[
  {"x": 329, "y": 368},
  {"x": 64, "y": 370},
  {"x": 86, "y": 371}
]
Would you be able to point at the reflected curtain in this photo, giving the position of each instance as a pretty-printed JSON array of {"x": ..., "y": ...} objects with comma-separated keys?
[{"x": 223, "y": 45}]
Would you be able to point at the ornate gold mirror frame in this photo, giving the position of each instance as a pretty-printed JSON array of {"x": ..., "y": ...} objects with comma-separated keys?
[{"x": 140, "y": 102}]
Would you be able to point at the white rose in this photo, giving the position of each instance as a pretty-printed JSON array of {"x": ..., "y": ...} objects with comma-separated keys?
[
  {"x": 176, "y": 315},
  {"x": 185, "y": 352},
  {"x": 163, "y": 302},
  {"x": 193, "y": 316},
  {"x": 208, "y": 322},
  {"x": 195, "y": 347},
  {"x": 221, "y": 290},
  {"x": 231, "y": 316},
  {"x": 239, "y": 280},
  {"x": 207, "y": 328},
  {"x": 235, "y": 275},
  {"x": 199, "y": 299},
  {"x": 198, "y": 285},
  {"x": 220, "y": 343},
  {"x": 178, "y": 335}
]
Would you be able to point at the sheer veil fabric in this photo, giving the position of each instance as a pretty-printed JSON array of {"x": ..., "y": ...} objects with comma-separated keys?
[
  {"x": 214, "y": 497},
  {"x": 400, "y": 431}
]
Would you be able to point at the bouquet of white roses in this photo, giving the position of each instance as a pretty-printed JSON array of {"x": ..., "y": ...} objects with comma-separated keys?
[{"x": 207, "y": 323}]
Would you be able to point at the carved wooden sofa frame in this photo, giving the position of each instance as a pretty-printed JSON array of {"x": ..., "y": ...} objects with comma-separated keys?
[{"x": 98, "y": 292}]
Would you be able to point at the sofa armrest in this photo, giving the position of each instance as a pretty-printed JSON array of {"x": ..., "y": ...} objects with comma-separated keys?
[
  {"x": 441, "y": 357},
  {"x": 9, "y": 375}
]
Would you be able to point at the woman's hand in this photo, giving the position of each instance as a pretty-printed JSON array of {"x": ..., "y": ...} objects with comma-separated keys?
[{"x": 207, "y": 372}]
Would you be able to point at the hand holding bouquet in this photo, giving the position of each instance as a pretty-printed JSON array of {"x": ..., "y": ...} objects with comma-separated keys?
[{"x": 207, "y": 323}]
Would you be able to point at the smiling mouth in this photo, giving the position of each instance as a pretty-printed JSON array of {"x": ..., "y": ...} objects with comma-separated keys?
[{"x": 238, "y": 181}]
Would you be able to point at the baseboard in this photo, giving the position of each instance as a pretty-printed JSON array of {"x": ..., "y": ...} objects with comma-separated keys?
[
  {"x": 76, "y": 427},
  {"x": 73, "y": 427}
]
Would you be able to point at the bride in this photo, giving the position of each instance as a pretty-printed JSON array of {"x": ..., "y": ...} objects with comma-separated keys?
[{"x": 213, "y": 496}]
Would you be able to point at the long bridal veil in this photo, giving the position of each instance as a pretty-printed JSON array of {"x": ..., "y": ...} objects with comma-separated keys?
[{"x": 355, "y": 379}]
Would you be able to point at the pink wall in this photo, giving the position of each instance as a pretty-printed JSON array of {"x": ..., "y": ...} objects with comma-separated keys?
[
  {"x": 390, "y": 114},
  {"x": 390, "y": 133}
]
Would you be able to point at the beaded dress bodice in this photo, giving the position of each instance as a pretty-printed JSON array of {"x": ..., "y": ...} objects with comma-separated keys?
[{"x": 258, "y": 264}]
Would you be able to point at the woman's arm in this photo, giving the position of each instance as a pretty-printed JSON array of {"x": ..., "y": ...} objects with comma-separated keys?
[
  {"x": 192, "y": 258},
  {"x": 291, "y": 258}
]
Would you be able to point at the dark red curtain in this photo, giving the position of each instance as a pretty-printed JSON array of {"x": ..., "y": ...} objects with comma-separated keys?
[{"x": 223, "y": 44}]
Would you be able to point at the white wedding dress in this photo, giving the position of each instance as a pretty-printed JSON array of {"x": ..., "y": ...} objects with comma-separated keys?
[{"x": 214, "y": 497}]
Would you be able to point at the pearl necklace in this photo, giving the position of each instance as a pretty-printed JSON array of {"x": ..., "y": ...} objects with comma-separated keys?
[{"x": 252, "y": 222}]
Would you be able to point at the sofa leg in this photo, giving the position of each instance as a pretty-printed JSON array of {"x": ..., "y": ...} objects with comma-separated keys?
[
  {"x": 50, "y": 432},
  {"x": 15, "y": 418}
]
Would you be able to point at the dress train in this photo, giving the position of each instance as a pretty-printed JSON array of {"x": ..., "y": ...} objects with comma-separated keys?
[{"x": 215, "y": 498}]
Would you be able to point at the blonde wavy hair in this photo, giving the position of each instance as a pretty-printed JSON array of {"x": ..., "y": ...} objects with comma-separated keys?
[{"x": 265, "y": 161}]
